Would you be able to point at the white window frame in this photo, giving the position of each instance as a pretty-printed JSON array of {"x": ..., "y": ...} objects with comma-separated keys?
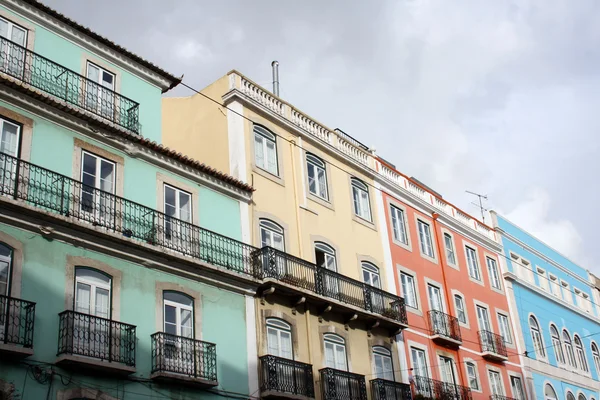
[
  {"x": 94, "y": 286},
  {"x": 106, "y": 106},
  {"x": 398, "y": 217},
  {"x": 474, "y": 376},
  {"x": 504, "y": 327},
  {"x": 553, "y": 395},
  {"x": 407, "y": 299},
  {"x": 179, "y": 229},
  {"x": 450, "y": 249},
  {"x": 15, "y": 153},
  {"x": 272, "y": 229},
  {"x": 554, "y": 285},
  {"x": 557, "y": 344},
  {"x": 416, "y": 362},
  {"x": 569, "y": 349},
  {"x": 178, "y": 308},
  {"x": 488, "y": 322},
  {"x": 596, "y": 356},
  {"x": 372, "y": 272},
  {"x": 537, "y": 338},
  {"x": 361, "y": 199},
  {"x": 262, "y": 137},
  {"x": 580, "y": 354},
  {"x": 9, "y": 262},
  {"x": 425, "y": 238},
  {"x": 279, "y": 327},
  {"x": 460, "y": 310},
  {"x": 380, "y": 352},
  {"x": 494, "y": 273},
  {"x": 517, "y": 392},
  {"x": 542, "y": 278},
  {"x": 496, "y": 384},
  {"x": 98, "y": 210},
  {"x": 317, "y": 165},
  {"x": 473, "y": 263},
  {"x": 336, "y": 342},
  {"x": 565, "y": 289}
]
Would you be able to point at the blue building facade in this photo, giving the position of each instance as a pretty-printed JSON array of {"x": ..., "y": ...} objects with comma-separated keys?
[{"x": 553, "y": 308}]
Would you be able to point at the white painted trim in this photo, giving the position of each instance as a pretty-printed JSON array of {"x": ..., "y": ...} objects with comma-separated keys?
[
  {"x": 385, "y": 241},
  {"x": 245, "y": 222},
  {"x": 251, "y": 341}
]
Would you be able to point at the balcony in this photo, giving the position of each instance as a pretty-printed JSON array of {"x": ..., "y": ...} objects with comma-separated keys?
[
  {"x": 444, "y": 328},
  {"x": 68, "y": 86},
  {"x": 95, "y": 343},
  {"x": 16, "y": 327},
  {"x": 285, "y": 379},
  {"x": 500, "y": 397},
  {"x": 181, "y": 360},
  {"x": 492, "y": 346},
  {"x": 382, "y": 389},
  {"x": 342, "y": 385},
  {"x": 433, "y": 389},
  {"x": 324, "y": 285}
]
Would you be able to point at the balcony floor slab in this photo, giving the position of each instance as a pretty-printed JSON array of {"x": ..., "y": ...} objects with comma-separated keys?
[
  {"x": 110, "y": 368},
  {"x": 172, "y": 377},
  {"x": 15, "y": 351}
]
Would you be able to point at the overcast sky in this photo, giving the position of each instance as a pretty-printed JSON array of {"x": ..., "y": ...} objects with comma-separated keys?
[{"x": 498, "y": 97}]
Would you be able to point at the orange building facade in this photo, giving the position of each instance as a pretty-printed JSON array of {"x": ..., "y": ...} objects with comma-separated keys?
[{"x": 460, "y": 341}]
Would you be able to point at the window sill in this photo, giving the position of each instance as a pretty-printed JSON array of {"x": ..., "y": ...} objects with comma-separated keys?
[
  {"x": 401, "y": 244},
  {"x": 364, "y": 222},
  {"x": 268, "y": 175},
  {"x": 415, "y": 311},
  {"x": 428, "y": 258},
  {"x": 479, "y": 282},
  {"x": 320, "y": 201}
]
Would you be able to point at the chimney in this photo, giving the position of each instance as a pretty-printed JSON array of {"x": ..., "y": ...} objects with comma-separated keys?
[{"x": 275, "y": 65}]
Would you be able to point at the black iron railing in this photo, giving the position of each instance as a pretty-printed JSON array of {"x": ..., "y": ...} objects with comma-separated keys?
[
  {"x": 286, "y": 376},
  {"x": 104, "y": 339},
  {"x": 342, "y": 385},
  {"x": 60, "y": 194},
  {"x": 71, "y": 87},
  {"x": 434, "y": 389},
  {"x": 303, "y": 274},
  {"x": 500, "y": 397},
  {"x": 184, "y": 356},
  {"x": 492, "y": 343},
  {"x": 382, "y": 389},
  {"x": 443, "y": 324},
  {"x": 17, "y": 319}
]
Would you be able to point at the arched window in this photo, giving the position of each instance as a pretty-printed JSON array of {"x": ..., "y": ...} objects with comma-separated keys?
[
  {"x": 279, "y": 338},
  {"x": 5, "y": 269},
  {"x": 549, "y": 393},
  {"x": 581, "y": 397},
  {"x": 557, "y": 345},
  {"x": 325, "y": 256},
  {"x": 472, "y": 375},
  {"x": 570, "y": 396},
  {"x": 596, "y": 356},
  {"x": 317, "y": 176},
  {"x": 178, "y": 314},
  {"x": 92, "y": 292},
  {"x": 335, "y": 352},
  {"x": 265, "y": 150},
  {"x": 360, "y": 197},
  {"x": 570, "y": 355},
  {"x": 536, "y": 336},
  {"x": 382, "y": 359},
  {"x": 371, "y": 274},
  {"x": 581, "y": 358},
  {"x": 271, "y": 234}
]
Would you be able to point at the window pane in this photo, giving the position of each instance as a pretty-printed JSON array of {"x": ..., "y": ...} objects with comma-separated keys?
[
  {"x": 3, "y": 28},
  {"x": 93, "y": 73},
  {"x": 102, "y": 302},
  {"x": 10, "y": 138},
  {"x": 170, "y": 202},
  {"x": 107, "y": 170},
  {"x": 82, "y": 298},
  {"x": 185, "y": 207},
  {"x": 4, "y": 274},
  {"x": 259, "y": 151},
  {"x": 170, "y": 314}
]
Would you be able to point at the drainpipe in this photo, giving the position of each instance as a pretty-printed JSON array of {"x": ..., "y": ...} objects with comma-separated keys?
[{"x": 446, "y": 294}]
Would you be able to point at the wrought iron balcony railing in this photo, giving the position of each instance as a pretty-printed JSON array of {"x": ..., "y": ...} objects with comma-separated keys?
[
  {"x": 286, "y": 376},
  {"x": 444, "y": 325},
  {"x": 382, "y": 389},
  {"x": 342, "y": 385},
  {"x": 434, "y": 389},
  {"x": 492, "y": 343},
  {"x": 501, "y": 397},
  {"x": 62, "y": 195},
  {"x": 17, "y": 319},
  {"x": 303, "y": 274},
  {"x": 184, "y": 356},
  {"x": 95, "y": 337},
  {"x": 69, "y": 86}
]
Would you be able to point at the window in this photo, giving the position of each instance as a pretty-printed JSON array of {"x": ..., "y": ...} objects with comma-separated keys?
[
  {"x": 399, "y": 224},
  {"x": 450, "y": 255},
  {"x": 570, "y": 396},
  {"x": 570, "y": 355},
  {"x": 13, "y": 56},
  {"x": 536, "y": 336},
  {"x": 554, "y": 286},
  {"x": 425, "y": 238},
  {"x": 496, "y": 383},
  {"x": 517, "y": 388},
  {"x": 371, "y": 275},
  {"x": 5, "y": 269},
  {"x": 92, "y": 292},
  {"x": 382, "y": 359},
  {"x": 97, "y": 176},
  {"x": 566, "y": 292},
  {"x": 100, "y": 86},
  {"x": 271, "y": 234},
  {"x": 435, "y": 298},
  {"x": 504, "y": 328},
  {"x": 10, "y": 136},
  {"x": 360, "y": 196},
  {"x": 447, "y": 369},
  {"x": 325, "y": 258},
  {"x": 581, "y": 397},
  {"x": 461, "y": 313},
  {"x": 493, "y": 272},
  {"x": 596, "y": 356},
  {"x": 549, "y": 393},
  {"x": 279, "y": 338},
  {"x": 178, "y": 208},
  {"x": 522, "y": 267},
  {"x": 472, "y": 263},
  {"x": 557, "y": 345},
  {"x": 472, "y": 376},
  {"x": 265, "y": 150},
  {"x": 178, "y": 314},
  {"x": 409, "y": 290},
  {"x": 581, "y": 358},
  {"x": 587, "y": 304},
  {"x": 335, "y": 352},
  {"x": 542, "y": 279},
  {"x": 484, "y": 319},
  {"x": 317, "y": 176},
  {"x": 419, "y": 362}
]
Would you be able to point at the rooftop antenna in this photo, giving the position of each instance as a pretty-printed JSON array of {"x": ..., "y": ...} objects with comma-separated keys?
[
  {"x": 480, "y": 205},
  {"x": 275, "y": 67}
]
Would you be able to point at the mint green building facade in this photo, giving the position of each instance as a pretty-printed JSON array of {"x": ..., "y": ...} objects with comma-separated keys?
[{"x": 123, "y": 268}]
